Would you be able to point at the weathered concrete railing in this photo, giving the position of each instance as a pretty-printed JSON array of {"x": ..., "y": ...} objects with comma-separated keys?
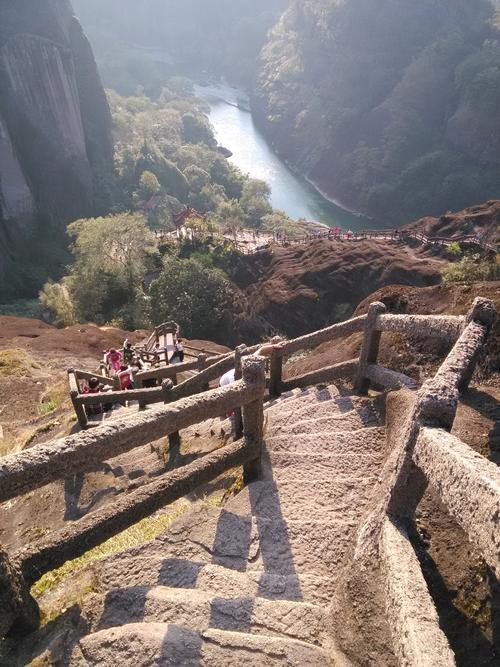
[
  {"x": 43, "y": 464},
  {"x": 423, "y": 453},
  {"x": 363, "y": 371},
  {"x": 172, "y": 372},
  {"x": 468, "y": 485}
]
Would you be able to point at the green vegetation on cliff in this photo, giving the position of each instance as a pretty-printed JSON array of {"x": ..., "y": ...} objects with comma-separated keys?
[
  {"x": 390, "y": 106},
  {"x": 167, "y": 157}
]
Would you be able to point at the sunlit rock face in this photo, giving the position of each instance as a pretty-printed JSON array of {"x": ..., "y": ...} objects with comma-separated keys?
[{"x": 55, "y": 124}]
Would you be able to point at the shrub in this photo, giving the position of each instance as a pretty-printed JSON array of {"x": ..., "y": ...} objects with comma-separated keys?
[
  {"x": 471, "y": 268},
  {"x": 57, "y": 299}
]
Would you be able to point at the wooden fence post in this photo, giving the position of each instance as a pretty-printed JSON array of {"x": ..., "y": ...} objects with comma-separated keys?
[
  {"x": 74, "y": 393},
  {"x": 238, "y": 374},
  {"x": 276, "y": 379},
  {"x": 253, "y": 415},
  {"x": 370, "y": 347}
]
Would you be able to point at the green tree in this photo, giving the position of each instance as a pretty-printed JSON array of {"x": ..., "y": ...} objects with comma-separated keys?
[
  {"x": 255, "y": 201},
  {"x": 57, "y": 299},
  {"x": 196, "y": 130},
  {"x": 112, "y": 257},
  {"x": 193, "y": 296},
  {"x": 231, "y": 215},
  {"x": 278, "y": 222},
  {"x": 472, "y": 268},
  {"x": 455, "y": 249},
  {"x": 149, "y": 184}
]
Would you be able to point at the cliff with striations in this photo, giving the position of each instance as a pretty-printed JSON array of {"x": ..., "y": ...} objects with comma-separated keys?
[{"x": 55, "y": 134}]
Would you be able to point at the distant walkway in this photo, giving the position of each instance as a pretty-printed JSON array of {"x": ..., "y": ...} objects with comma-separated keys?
[{"x": 249, "y": 243}]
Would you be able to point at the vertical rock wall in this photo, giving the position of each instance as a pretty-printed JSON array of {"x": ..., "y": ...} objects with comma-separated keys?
[{"x": 55, "y": 127}]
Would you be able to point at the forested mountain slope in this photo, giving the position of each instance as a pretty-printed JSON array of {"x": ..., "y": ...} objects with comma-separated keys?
[{"x": 390, "y": 106}]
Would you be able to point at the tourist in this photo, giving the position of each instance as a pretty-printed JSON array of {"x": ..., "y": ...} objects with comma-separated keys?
[
  {"x": 126, "y": 378},
  {"x": 128, "y": 352},
  {"x": 113, "y": 360},
  {"x": 178, "y": 351},
  {"x": 93, "y": 387},
  {"x": 264, "y": 351}
]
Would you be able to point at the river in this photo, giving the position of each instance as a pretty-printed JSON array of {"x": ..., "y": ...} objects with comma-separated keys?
[{"x": 235, "y": 129}]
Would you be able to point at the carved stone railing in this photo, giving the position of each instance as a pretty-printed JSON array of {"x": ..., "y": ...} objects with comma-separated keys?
[
  {"x": 363, "y": 371},
  {"x": 424, "y": 453},
  {"x": 43, "y": 464}
]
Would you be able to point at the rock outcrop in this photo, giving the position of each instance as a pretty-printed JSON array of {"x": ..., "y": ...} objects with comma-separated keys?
[{"x": 55, "y": 126}]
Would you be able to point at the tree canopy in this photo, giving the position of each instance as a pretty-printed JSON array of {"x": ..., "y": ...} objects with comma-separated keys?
[{"x": 192, "y": 295}]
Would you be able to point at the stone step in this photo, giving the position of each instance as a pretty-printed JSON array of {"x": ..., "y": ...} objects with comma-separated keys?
[
  {"x": 243, "y": 542},
  {"x": 151, "y": 570},
  {"x": 160, "y": 644},
  {"x": 283, "y": 465},
  {"x": 199, "y": 610},
  {"x": 360, "y": 443},
  {"x": 305, "y": 396},
  {"x": 326, "y": 396},
  {"x": 348, "y": 419},
  {"x": 345, "y": 498},
  {"x": 332, "y": 422}
]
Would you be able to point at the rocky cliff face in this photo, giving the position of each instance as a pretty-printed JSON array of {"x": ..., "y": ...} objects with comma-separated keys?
[{"x": 55, "y": 129}]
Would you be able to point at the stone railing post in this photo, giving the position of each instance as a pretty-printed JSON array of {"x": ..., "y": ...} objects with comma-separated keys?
[
  {"x": 253, "y": 415},
  {"x": 74, "y": 393},
  {"x": 238, "y": 374},
  {"x": 202, "y": 362},
  {"x": 202, "y": 365},
  {"x": 174, "y": 439},
  {"x": 276, "y": 370},
  {"x": 484, "y": 313},
  {"x": 370, "y": 347},
  {"x": 18, "y": 609}
]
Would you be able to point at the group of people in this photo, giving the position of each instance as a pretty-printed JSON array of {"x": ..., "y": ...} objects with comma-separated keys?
[{"x": 124, "y": 364}]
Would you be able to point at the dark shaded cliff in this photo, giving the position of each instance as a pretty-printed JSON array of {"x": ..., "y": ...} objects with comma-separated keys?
[{"x": 55, "y": 137}]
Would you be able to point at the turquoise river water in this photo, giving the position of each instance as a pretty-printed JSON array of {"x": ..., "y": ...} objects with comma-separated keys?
[{"x": 235, "y": 129}]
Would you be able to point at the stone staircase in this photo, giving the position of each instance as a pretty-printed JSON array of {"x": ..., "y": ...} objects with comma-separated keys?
[{"x": 251, "y": 582}]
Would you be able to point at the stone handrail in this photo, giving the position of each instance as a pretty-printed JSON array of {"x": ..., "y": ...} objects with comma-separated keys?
[
  {"x": 425, "y": 326},
  {"x": 45, "y": 463},
  {"x": 468, "y": 485},
  {"x": 365, "y": 370},
  {"x": 423, "y": 453},
  {"x": 42, "y": 464},
  {"x": 171, "y": 372}
]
